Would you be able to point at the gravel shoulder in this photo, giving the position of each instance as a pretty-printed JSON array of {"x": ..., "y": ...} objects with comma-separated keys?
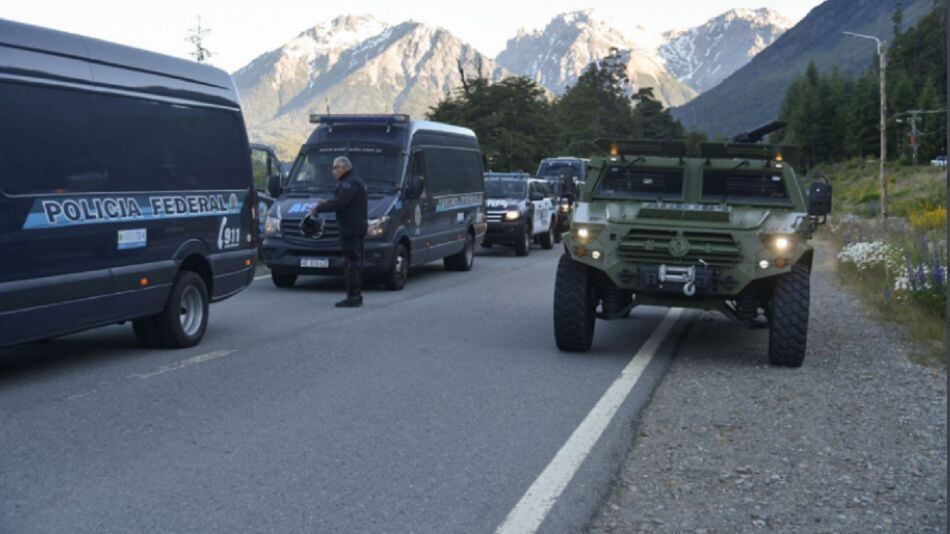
[{"x": 853, "y": 441}]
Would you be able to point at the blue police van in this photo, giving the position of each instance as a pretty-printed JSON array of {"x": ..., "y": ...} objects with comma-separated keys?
[
  {"x": 125, "y": 189},
  {"x": 425, "y": 189}
]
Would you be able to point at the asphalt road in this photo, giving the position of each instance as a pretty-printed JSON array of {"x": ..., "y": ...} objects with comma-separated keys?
[{"x": 432, "y": 409}]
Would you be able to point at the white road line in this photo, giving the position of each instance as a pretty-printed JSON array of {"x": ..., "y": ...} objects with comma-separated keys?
[
  {"x": 184, "y": 363},
  {"x": 261, "y": 277},
  {"x": 533, "y": 508}
]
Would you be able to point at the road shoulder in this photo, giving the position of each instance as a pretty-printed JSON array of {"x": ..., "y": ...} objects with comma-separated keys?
[{"x": 854, "y": 440}]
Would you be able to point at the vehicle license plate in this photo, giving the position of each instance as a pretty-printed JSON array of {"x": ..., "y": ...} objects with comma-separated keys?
[{"x": 315, "y": 263}]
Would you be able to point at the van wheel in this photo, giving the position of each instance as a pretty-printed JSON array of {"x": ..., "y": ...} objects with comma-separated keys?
[
  {"x": 788, "y": 327},
  {"x": 464, "y": 260},
  {"x": 523, "y": 242},
  {"x": 547, "y": 238},
  {"x": 574, "y": 307},
  {"x": 146, "y": 331},
  {"x": 395, "y": 278},
  {"x": 283, "y": 279},
  {"x": 183, "y": 322}
]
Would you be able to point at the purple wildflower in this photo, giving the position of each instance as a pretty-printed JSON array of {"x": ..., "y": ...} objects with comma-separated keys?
[
  {"x": 939, "y": 277},
  {"x": 909, "y": 267},
  {"x": 921, "y": 276}
]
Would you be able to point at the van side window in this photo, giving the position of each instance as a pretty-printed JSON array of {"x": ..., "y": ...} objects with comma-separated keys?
[
  {"x": 45, "y": 141},
  {"x": 418, "y": 165},
  {"x": 156, "y": 146}
]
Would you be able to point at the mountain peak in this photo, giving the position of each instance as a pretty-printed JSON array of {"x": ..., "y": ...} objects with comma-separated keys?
[
  {"x": 705, "y": 55},
  {"x": 557, "y": 55}
]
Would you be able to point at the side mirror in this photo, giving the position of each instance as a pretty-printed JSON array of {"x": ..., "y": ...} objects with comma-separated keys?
[
  {"x": 273, "y": 185},
  {"x": 819, "y": 198},
  {"x": 535, "y": 197},
  {"x": 416, "y": 185}
]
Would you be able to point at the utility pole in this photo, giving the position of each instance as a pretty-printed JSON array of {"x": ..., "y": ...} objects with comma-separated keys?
[
  {"x": 915, "y": 134},
  {"x": 882, "y": 59}
]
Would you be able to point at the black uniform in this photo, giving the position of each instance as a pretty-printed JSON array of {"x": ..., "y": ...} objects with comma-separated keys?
[{"x": 350, "y": 207}]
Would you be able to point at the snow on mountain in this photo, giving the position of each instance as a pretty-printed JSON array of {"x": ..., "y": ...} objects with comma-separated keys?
[
  {"x": 557, "y": 55},
  {"x": 703, "y": 56},
  {"x": 352, "y": 65}
]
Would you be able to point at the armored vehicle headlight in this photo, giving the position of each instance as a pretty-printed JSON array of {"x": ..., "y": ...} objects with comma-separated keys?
[
  {"x": 595, "y": 254},
  {"x": 764, "y": 264},
  {"x": 781, "y": 243},
  {"x": 512, "y": 215},
  {"x": 376, "y": 227},
  {"x": 587, "y": 234},
  {"x": 565, "y": 207},
  {"x": 272, "y": 226}
]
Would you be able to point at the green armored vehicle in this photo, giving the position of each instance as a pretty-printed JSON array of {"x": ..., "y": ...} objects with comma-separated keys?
[{"x": 725, "y": 231}]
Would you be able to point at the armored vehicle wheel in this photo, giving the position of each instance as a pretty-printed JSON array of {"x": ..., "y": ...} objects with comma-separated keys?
[
  {"x": 547, "y": 238},
  {"x": 788, "y": 329},
  {"x": 146, "y": 331},
  {"x": 464, "y": 260},
  {"x": 283, "y": 279},
  {"x": 183, "y": 321},
  {"x": 574, "y": 307},
  {"x": 395, "y": 278},
  {"x": 523, "y": 242}
]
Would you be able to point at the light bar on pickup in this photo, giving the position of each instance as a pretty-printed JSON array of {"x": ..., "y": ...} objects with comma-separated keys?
[{"x": 359, "y": 119}]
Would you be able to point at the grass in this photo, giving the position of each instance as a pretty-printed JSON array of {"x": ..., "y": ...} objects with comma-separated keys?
[
  {"x": 891, "y": 267},
  {"x": 856, "y": 186}
]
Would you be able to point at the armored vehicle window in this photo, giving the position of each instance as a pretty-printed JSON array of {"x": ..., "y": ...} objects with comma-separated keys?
[
  {"x": 45, "y": 146},
  {"x": 155, "y": 146},
  {"x": 744, "y": 186},
  {"x": 638, "y": 182}
]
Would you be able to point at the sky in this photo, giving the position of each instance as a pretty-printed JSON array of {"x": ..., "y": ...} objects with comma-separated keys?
[{"x": 241, "y": 30}]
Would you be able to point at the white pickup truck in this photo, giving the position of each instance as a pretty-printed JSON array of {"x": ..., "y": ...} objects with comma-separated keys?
[{"x": 520, "y": 210}]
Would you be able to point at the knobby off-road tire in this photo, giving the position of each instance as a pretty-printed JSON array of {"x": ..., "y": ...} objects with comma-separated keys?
[
  {"x": 523, "y": 242},
  {"x": 547, "y": 238},
  {"x": 283, "y": 279},
  {"x": 574, "y": 307},
  {"x": 788, "y": 329},
  {"x": 464, "y": 260}
]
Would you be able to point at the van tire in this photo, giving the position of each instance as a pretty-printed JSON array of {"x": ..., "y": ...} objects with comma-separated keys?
[
  {"x": 464, "y": 260},
  {"x": 547, "y": 238},
  {"x": 283, "y": 279},
  {"x": 183, "y": 322},
  {"x": 523, "y": 242},
  {"x": 146, "y": 331},
  {"x": 574, "y": 306},
  {"x": 788, "y": 325},
  {"x": 395, "y": 278}
]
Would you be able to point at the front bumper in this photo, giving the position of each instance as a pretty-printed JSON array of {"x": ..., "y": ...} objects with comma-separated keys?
[
  {"x": 283, "y": 257},
  {"x": 504, "y": 232}
]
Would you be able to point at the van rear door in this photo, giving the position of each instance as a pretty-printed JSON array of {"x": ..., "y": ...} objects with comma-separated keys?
[{"x": 54, "y": 244}]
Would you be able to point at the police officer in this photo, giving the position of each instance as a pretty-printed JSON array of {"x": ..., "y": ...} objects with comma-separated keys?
[{"x": 350, "y": 207}]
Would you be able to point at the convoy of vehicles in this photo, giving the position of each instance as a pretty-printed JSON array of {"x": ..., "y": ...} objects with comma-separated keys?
[
  {"x": 149, "y": 208},
  {"x": 725, "y": 231},
  {"x": 521, "y": 210},
  {"x": 426, "y": 198},
  {"x": 125, "y": 189}
]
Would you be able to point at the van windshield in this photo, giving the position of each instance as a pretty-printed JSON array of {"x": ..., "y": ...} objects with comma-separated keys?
[
  {"x": 553, "y": 168},
  {"x": 379, "y": 166}
]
